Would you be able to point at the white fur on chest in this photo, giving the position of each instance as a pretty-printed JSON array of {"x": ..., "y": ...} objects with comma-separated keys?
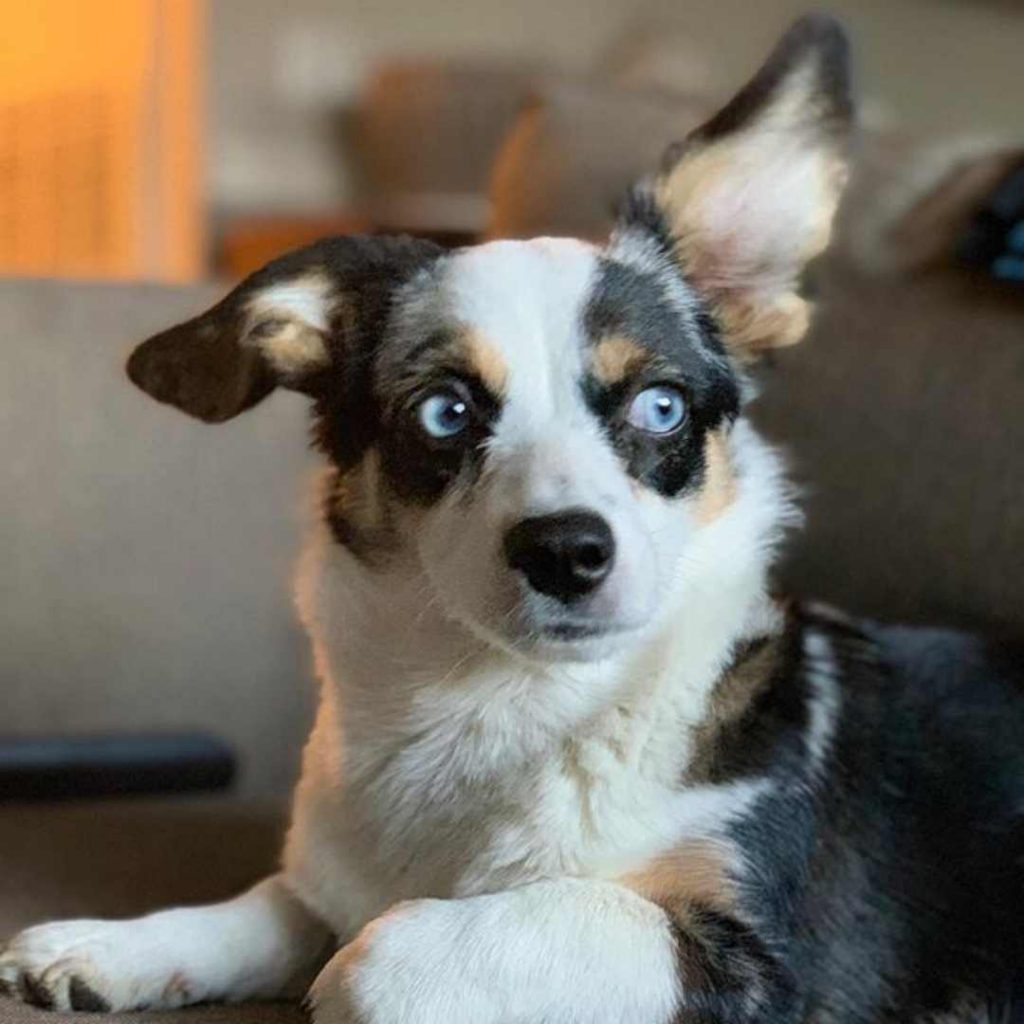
[
  {"x": 433, "y": 820},
  {"x": 440, "y": 766}
]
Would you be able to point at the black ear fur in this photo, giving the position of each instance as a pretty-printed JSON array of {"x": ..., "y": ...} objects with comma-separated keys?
[
  {"x": 200, "y": 367},
  {"x": 223, "y": 362},
  {"x": 817, "y": 41}
]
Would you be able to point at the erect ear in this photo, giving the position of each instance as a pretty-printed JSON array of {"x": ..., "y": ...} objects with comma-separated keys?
[
  {"x": 285, "y": 325},
  {"x": 747, "y": 199}
]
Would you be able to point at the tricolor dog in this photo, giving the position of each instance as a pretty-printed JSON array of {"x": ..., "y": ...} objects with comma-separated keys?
[{"x": 572, "y": 763}]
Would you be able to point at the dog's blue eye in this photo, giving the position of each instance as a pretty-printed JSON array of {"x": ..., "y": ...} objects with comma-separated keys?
[
  {"x": 444, "y": 414},
  {"x": 657, "y": 410}
]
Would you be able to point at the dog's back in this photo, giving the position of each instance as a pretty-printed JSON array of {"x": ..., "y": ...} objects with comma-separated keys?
[{"x": 913, "y": 842}]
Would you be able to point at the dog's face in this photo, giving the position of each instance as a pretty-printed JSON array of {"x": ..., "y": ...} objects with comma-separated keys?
[{"x": 540, "y": 429}]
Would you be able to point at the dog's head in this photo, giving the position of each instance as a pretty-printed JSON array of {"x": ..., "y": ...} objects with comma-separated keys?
[{"x": 541, "y": 429}]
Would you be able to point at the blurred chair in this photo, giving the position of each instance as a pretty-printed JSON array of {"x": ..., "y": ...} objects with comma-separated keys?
[{"x": 425, "y": 137}]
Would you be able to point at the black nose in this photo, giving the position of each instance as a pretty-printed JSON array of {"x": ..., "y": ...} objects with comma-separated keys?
[{"x": 565, "y": 555}]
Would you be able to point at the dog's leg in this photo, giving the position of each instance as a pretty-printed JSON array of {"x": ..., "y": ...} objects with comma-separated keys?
[
  {"x": 253, "y": 947},
  {"x": 562, "y": 952}
]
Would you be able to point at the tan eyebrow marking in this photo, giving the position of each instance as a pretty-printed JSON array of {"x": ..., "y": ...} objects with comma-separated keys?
[
  {"x": 485, "y": 360},
  {"x": 616, "y": 357}
]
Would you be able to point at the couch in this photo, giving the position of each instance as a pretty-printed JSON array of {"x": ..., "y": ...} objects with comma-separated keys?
[{"x": 146, "y": 556}]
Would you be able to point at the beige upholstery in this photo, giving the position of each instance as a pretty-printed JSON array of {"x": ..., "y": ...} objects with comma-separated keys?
[
  {"x": 903, "y": 414},
  {"x": 145, "y": 556},
  {"x": 13, "y": 1012}
]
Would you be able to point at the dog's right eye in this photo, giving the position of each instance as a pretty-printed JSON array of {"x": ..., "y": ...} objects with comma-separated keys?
[{"x": 444, "y": 414}]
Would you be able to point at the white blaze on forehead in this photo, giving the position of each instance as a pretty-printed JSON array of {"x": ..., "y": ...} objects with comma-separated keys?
[{"x": 528, "y": 299}]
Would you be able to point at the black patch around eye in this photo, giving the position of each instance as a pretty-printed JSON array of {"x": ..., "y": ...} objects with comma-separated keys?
[
  {"x": 346, "y": 414},
  {"x": 686, "y": 352},
  {"x": 421, "y": 468},
  {"x": 667, "y": 463}
]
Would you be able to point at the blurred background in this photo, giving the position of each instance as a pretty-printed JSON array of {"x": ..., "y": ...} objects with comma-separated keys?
[
  {"x": 151, "y": 150},
  {"x": 176, "y": 139}
]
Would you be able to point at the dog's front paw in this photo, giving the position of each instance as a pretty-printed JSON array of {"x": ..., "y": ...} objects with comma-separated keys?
[
  {"x": 87, "y": 965},
  {"x": 406, "y": 966}
]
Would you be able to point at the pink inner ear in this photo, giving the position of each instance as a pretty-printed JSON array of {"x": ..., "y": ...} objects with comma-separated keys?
[{"x": 756, "y": 224}]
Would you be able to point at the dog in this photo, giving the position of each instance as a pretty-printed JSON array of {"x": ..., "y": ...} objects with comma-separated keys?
[{"x": 572, "y": 762}]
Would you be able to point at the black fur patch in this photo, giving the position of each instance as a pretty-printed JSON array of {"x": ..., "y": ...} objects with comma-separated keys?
[
  {"x": 83, "y": 997},
  {"x": 639, "y": 208},
  {"x": 726, "y": 973},
  {"x": 888, "y": 878},
  {"x": 420, "y": 468},
  {"x": 686, "y": 351},
  {"x": 346, "y": 409},
  {"x": 370, "y": 395},
  {"x": 33, "y": 991}
]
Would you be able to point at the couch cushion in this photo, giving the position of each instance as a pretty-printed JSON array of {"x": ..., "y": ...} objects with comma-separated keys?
[
  {"x": 120, "y": 859},
  {"x": 902, "y": 415},
  {"x": 145, "y": 556}
]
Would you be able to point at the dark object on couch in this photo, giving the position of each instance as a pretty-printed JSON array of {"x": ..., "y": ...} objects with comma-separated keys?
[{"x": 91, "y": 767}]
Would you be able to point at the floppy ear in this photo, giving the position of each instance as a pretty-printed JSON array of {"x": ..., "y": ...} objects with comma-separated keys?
[
  {"x": 746, "y": 200},
  {"x": 285, "y": 325}
]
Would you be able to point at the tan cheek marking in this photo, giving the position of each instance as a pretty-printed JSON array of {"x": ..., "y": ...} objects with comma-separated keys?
[
  {"x": 616, "y": 357},
  {"x": 359, "y": 492},
  {"x": 697, "y": 871},
  {"x": 486, "y": 360},
  {"x": 719, "y": 489}
]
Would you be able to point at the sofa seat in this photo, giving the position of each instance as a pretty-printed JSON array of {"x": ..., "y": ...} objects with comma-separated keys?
[{"x": 126, "y": 857}]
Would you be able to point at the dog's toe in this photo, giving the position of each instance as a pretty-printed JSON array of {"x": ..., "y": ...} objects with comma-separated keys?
[
  {"x": 32, "y": 990},
  {"x": 82, "y": 996},
  {"x": 42, "y": 968}
]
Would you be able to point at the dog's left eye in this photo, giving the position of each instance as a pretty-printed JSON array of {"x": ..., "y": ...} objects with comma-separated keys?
[
  {"x": 657, "y": 410},
  {"x": 444, "y": 414}
]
